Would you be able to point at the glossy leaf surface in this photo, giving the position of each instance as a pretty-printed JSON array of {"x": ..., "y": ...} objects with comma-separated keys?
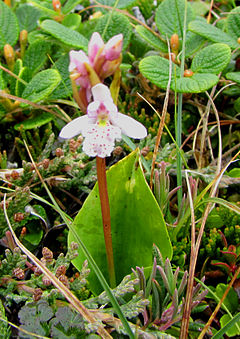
[{"x": 136, "y": 219}]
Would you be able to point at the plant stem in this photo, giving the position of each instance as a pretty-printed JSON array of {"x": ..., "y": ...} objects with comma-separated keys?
[{"x": 106, "y": 219}]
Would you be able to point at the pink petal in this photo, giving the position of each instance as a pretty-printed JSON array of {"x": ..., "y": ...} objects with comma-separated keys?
[
  {"x": 77, "y": 60},
  {"x": 95, "y": 43},
  {"x": 130, "y": 126},
  {"x": 113, "y": 47},
  {"x": 75, "y": 127}
]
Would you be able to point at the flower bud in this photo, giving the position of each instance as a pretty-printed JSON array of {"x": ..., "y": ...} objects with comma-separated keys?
[
  {"x": 59, "y": 152},
  {"x": 23, "y": 38},
  {"x": 60, "y": 270},
  {"x": 37, "y": 294},
  {"x": 18, "y": 216},
  {"x": 15, "y": 175},
  {"x": 18, "y": 273},
  {"x": 188, "y": 73},
  {"x": 46, "y": 281},
  {"x": 9, "y": 56},
  {"x": 47, "y": 254},
  {"x": 174, "y": 43},
  {"x": 95, "y": 15},
  {"x": 45, "y": 163},
  {"x": 56, "y": 6},
  {"x": 113, "y": 47},
  {"x": 8, "y": 3},
  {"x": 64, "y": 279}
]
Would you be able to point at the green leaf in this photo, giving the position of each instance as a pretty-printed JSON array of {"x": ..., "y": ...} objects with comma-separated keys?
[
  {"x": 156, "y": 69},
  {"x": 119, "y": 23},
  {"x": 211, "y": 59},
  {"x": 231, "y": 300},
  {"x": 152, "y": 39},
  {"x": 233, "y": 23},
  {"x": 170, "y": 17},
  {"x": 234, "y": 173},
  {"x": 36, "y": 56},
  {"x": 234, "y": 76},
  {"x": 67, "y": 324},
  {"x": 44, "y": 6},
  {"x": 69, "y": 5},
  {"x": 64, "y": 89},
  {"x": 121, "y": 4},
  {"x": 193, "y": 43},
  {"x": 34, "y": 317},
  {"x": 212, "y": 33},
  {"x": 4, "y": 328},
  {"x": 65, "y": 35},
  {"x": 72, "y": 21},
  {"x": 24, "y": 75},
  {"x": 200, "y": 7},
  {"x": 27, "y": 17},
  {"x": 35, "y": 122},
  {"x": 229, "y": 326},
  {"x": 9, "y": 28},
  {"x": 197, "y": 83},
  {"x": 42, "y": 85},
  {"x": 2, "y": 82},
  {"x": 136, "y": 221}
]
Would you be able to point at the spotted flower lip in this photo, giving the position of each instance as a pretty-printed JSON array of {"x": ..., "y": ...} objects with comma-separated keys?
[{"x": 102, "y": 125}]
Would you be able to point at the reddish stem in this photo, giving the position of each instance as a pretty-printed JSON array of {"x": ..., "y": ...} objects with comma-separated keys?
[{"x": 106, "y": 219}]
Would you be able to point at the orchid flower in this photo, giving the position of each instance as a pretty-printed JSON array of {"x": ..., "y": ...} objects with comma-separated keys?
[
  {"x": 102, "y": 125},
  {"x": 102, "y": 60}
]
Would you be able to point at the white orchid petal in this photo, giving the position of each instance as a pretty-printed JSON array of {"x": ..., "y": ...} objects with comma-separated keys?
[
  {"x": 130, "y": 126},
  {"x": 75, "y": 127},
  {"x": 101, "y": 93}
]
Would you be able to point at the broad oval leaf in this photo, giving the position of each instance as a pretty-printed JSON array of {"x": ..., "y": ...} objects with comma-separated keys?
[
  {"x": 199, "y": 82},
  {"x": 42, "y": 85},
  {"x": 136, "y": 221},
  {"x": 234, "y": 76},
  {"x": 193, "y": 43},
  {"x": 64, "y": 89},
  {"x": 27, "y": 17},
  {"x": 36, "y": 56},
  {"x": 211, "y": 59},
  {"x": 65, "y": 35},
  {"x": 9, "y": 28},
  {"x": 233, "y": 23},
  {"x": 156, "y": 69},
  {"x": 118, "y": 23},
  {"x": 212, "y": 33},
  {"x": 170, "y": 17},
  {"x": 152, "y": 39}
]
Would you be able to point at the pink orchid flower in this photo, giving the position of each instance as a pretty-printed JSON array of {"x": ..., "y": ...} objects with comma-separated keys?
[
  {"x": 99, "y": 54},
  {"x": 102, "y": 125},
  {"x": 103, "y": 59}
]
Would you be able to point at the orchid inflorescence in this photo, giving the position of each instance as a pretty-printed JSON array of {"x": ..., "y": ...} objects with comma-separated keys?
[
  {"x": 102, "y": 61},
  {"x": 102, "y": 124}
]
